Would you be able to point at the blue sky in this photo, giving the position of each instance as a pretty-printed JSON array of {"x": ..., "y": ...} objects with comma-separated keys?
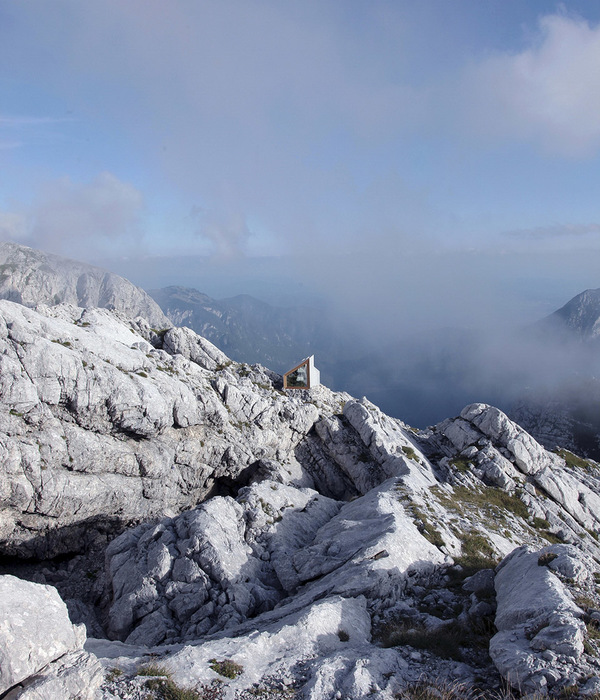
[{"x": 421, "y": 162}]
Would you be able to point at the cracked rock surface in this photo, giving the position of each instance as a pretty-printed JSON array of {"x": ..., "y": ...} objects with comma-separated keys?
[{"x": 256, "y": 543}]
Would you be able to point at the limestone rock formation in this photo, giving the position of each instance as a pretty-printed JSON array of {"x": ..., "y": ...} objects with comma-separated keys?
[
  {"x": 32, "y": 277},
  {"x": 41, "y": 652},
  {"x": 302, "y": 544}
]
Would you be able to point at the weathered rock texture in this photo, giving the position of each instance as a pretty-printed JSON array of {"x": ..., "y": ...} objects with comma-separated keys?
[
  {"x": 31, "y": 277},
  {"x": 41, "y": 652},
  {"x": 296, "y": 533}
]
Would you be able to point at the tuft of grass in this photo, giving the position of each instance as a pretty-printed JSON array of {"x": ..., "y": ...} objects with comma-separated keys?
[
  {"x": 410, "y": 453},
  {"x": 462, "y": 465},
  {"x": 153, "y": 670},
  {"x": 113, "y": 674},
  {"x": 226, "y": 667},
  {"x": 429, "y": 532},
  {"x": 477, "y": 554},
  {"x": 440, "y": 690},
  {"x": 546, "y": 558},
  {"x": 142, "y": 374},
  {"x": 343, "y": 635},
  {"x": 552, "y": 537},
  {"x": 166, "y": 689}
]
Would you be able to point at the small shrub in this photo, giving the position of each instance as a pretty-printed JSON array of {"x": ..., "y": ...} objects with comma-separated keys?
[
  {"x": 160, "y": 332},
  {"x": 343, "y": 635},
  {"x": 546, "y": 558},
  {"x": 226, "y": 667}
]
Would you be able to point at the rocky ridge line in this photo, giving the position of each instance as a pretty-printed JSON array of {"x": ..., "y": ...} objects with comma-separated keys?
[{"x": 297, "y": 535}]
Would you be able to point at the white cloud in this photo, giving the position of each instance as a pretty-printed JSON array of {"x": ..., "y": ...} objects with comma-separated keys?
[
  {"x": 548, "y": 94},
  {"x": 78, "y": 220},
  {"x": 13, "y": 226}
]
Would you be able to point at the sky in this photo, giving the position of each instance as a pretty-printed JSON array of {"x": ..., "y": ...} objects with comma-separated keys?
[{"x": 405, "y": 163}]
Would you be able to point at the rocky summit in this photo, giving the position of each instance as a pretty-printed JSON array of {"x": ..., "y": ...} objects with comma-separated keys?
[{"x": 175, "y": 525}]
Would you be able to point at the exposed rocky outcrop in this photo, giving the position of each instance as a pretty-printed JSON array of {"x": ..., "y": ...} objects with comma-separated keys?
[
  {"x": 32, "y": 277},
  {"x": 325, "y": 548},
  {"x": 41, "y": 652}
]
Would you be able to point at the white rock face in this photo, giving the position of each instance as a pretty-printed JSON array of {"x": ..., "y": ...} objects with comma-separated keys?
[
  {"x": 31, "y": 277},
  {"x": 98, "y": 424},
  {"x": 38, "y": 640},
  {"x": 540, "y": 631},
  {"x": 212, "y": 568},
  {"x": 282, "y": 531}
]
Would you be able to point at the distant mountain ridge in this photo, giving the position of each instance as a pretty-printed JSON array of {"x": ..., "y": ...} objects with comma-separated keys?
[
  {"x": 578, "y": 318},
  {"x": 250, "y": 330},
  {"x": 31, "y": 277}
]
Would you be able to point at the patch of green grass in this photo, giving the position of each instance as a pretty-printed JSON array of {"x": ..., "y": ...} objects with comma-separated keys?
[
  {"x": 477, "y": 554},
  {"x": 573, "y": 460},
  {"x": 66, "y": 343},
  {"x": 552, "y": 537},
  {"x": 462, "y": 465},
  {"x": 491, "y": 499},
  {"x": 226, "y": 667},
  {"x": 590, "y": 643},
  {"x": 142, "y": 374},
  {"x": 410, "y": 453},
  {"x": 541, "y": 524},
  {"x": 223, "y": 365},
  {"x": 13, "y": 412}
]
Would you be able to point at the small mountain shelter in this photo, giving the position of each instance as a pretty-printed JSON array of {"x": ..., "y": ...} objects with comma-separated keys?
[{"x": 303, "y": 376}]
